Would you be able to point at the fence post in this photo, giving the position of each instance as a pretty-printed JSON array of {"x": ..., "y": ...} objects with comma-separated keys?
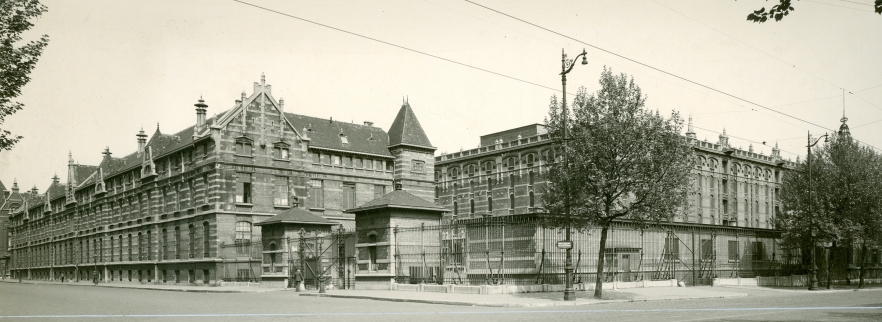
[{"x": 693, "y": 256}]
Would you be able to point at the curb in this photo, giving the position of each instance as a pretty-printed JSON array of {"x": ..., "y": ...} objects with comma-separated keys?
[
  {"x": 804, "y": 291},
  {"x": 460, "y": 303}
]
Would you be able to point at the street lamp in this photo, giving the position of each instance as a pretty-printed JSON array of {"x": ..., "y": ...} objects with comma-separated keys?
[
  {"x": 813, "y": 284},
  {"x": 566, "y": 67}
]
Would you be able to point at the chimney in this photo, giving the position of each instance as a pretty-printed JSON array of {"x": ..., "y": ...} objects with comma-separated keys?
[
  {"x": 282, "y": 105},
  {"x": 368, "y": 123},
  {"x": 142, "y": 141},
  {"x": 15, "y": 185},
  {"x": 200, "y": 113},
  {"x": 34, "y": 190}
]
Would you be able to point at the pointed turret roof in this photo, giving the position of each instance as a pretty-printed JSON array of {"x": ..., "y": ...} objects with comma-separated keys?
[{"x": 406, "y": 129}]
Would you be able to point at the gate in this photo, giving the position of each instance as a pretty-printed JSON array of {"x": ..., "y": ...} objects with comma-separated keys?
[{"x": 323, "y": 256}]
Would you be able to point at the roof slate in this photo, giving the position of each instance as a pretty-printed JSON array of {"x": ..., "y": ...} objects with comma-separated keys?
[
  {"x": 406, "y": 129},
  {"x": 297, "y": 216},
  {"x": 398, "y": 199},
  {"x": 325, "y": 133}
]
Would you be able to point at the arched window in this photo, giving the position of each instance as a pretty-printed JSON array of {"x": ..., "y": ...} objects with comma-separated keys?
[
  {"x": 191, "y": 240},
  {"x": 243, "y": 237},
  {"x": 511, "y": 201},
  {"x": 140, "y": 246},
  {"x": 489, "y": 184},
  {"x": 149, "y": 245},
  {"x": 177, "y": 242},
  {"x": 532, "y": 177},
  {"x": 530, "y": 159},
  {"x": 111, "y": 249},
  {"x": 130, "y": 247},
  {"x": 164, "y": 248},
  {"x": 532, "y": 200},
  {"x": 511, "y": 180},
  {"x": 120, "y": 248},
  {"x": 205, "y": 239}
]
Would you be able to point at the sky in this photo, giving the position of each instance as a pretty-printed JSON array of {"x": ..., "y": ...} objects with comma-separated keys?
[{"x": 114, "y": 67}]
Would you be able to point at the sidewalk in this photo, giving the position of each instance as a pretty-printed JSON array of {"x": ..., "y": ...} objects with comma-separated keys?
[
  {"x": 534, "y": 299},
  {"x": 174, "y": 288}
]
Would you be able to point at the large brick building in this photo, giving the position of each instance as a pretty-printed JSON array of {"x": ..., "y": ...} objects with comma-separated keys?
[
  {"x": 164, "y": 213},
  {"x": 730, "y": 225}
]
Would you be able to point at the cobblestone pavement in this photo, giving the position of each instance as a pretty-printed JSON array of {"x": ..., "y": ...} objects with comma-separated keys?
[{"x": 33, "y": 302}]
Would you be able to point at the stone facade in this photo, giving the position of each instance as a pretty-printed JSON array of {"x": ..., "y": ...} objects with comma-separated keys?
[
  {"x": 733, "y": 187},
  {"x": 172, "y": 211}
]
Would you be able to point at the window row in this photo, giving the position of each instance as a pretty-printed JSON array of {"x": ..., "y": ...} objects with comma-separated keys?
[{"x": 354, "y": 162}]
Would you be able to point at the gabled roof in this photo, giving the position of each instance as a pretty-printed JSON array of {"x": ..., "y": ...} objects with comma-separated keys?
[
  {"x": 296, "y": 216},
  {"x": 398, "y": 199},
  {"x": 325, "y": 133},
  {"x": 406, "y": 129},
  {"x": 2, "y": 187},
  {"x": 56, "y": 190}
]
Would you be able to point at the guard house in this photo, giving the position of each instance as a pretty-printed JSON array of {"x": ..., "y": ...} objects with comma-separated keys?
[
  {"x": 281, "y": 236},
  {"x": 376, "y": 223}
]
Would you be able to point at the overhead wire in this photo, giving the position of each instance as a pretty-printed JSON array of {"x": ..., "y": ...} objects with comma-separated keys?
[
  {"x": 396, "y": 45},
  {"x": 656, "y": 69}
]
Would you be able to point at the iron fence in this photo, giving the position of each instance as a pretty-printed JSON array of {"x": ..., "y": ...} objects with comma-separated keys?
[{"x": 517, "y": 250}]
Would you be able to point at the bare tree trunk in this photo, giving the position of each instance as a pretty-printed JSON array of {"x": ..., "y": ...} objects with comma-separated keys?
[
  {"x": 863, "y": 263},
  {"x": 598, "y": 284}
]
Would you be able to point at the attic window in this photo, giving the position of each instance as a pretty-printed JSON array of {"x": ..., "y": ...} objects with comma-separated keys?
[{"x": 344, "y": 139}]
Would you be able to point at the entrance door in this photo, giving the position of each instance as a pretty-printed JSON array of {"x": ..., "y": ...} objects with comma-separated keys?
[{"x": 626, "y": 267}]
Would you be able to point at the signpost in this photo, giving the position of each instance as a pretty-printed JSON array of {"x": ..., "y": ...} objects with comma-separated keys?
[{"x": 565, "y": 244}]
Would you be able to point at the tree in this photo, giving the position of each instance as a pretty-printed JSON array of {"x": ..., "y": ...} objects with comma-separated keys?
[
  {"x": 784, "y": 7},
  {"x": 840, "y": 204},
  {"x": 16, "y": 62},
  {"x": 621, "y": 162}
]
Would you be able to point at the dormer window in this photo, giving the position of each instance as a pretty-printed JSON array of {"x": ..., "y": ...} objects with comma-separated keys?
[
  {"x": 343, "y": 139},
  {"x": 243, "y": 146}
]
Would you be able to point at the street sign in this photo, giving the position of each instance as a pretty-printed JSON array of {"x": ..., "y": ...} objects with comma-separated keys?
[{"x": 565, "y": 244}]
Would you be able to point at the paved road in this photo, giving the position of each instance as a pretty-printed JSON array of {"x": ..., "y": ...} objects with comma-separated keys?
[{"x": 28, "y": 302}]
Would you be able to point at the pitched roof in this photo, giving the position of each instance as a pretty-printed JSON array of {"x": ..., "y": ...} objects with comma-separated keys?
[
  {"x": 325, "y": 133},
  {"x": 398, "y": 199},
  {"x": 406, "y": 129},
  {"x": 296, "y": 216},
  {"x": 2, "y": 187}
]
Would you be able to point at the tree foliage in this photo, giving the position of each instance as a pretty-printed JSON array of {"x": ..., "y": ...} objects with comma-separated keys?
[
  {"x": 783, "y": 8},
  {"x": 16, "y": 59},
  {"x": 840, "y": 204},
  {"x": 621, "y": 162}
]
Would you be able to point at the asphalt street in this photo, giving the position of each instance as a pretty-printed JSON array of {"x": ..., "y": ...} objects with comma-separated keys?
[{"x": 29, "y": 302}]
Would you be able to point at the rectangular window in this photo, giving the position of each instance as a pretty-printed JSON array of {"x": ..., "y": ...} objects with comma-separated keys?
[
  {"x": 281, "y": 191},
  {"x": 390, "y": 165},
  {"x": 243, "y": 148},
  {"x": 326, "y": 159},
  {"x": 358, "y": 164},
  {"x": 348, "y": 195},
  {"x": 285, "y": 153},
  {"x": 243, "y": 188},
  {"x": 759, "y": 251},
  {"x": 315, "y": 157},
  {"x": 707, "y": 249},
  {"x": 368, "y": 164},
  {"x": 733, "y": 250},
  {"x": 379, "y": 191},
  {"x": 204, "y": 188},
  {"x": 347, "y": 161},
  {"x": 316, "y": 194},
  {"x": 336, "y": 160},
  {"x": 378, "y": 165}
]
